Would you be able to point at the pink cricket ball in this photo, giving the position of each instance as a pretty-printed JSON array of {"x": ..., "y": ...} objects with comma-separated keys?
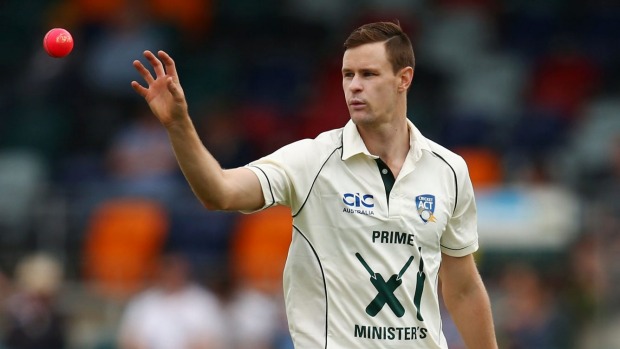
[{"x": 58, "y": 42}]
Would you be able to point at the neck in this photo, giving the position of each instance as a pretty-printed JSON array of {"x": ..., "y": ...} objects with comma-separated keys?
[{"x": 390, "y": 142}]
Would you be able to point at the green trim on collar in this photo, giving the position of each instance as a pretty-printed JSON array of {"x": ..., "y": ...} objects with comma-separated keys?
[{"x": 387, "y": 176}]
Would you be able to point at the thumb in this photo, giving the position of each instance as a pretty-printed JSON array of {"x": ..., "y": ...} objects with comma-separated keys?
[{"x": 174, "y": 89}]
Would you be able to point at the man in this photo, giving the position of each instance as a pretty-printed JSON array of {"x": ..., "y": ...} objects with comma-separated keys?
[{"x": 377, "y": 208}]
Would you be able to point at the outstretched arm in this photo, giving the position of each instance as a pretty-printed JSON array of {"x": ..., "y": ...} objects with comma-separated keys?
[
  {"x": 467, "y": 301},
  {"x": 216, "y": 188}
]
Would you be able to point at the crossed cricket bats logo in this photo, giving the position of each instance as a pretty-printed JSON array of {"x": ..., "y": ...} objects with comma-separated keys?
[{"x": 386, "y": 289}]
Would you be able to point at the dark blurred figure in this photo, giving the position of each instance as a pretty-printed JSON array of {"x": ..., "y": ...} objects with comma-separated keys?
[
  {"x": 34, "y": 319},
  {"x": 605, "y": 218},
  {"x": 608, "y": 183},
  {"x": 587, "y": 286},
  {"x": 220, "y": 132},
  {"x": 532, "y": 316},
  {"x": 138, "y": 160}
]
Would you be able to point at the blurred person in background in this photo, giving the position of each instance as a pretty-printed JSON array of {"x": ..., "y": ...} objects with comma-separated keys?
[
  {"x": 596, "y": 255},
  {"x": 533, "y": 314},
  {"x": 421, "y": 208},
  {"x": 139, "y": 160},
  {"x": 175, "y": 312},
  {"x": 33, "y": 317}
]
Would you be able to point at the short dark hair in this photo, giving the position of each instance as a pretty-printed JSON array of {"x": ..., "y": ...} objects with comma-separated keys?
[{"x": 397, "y": 44}]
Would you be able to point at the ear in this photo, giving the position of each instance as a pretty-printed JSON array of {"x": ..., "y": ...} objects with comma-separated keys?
[{"x": 406, "y": 77}]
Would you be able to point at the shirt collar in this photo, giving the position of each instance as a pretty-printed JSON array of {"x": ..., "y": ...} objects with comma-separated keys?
[{"x": 353, "y": 144}]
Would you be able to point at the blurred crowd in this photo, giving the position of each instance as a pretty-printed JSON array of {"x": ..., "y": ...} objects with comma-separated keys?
[{"x": 103, "y": 246}]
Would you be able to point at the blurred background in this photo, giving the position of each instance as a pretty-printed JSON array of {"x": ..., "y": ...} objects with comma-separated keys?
[{"x": 103, "y": 245}]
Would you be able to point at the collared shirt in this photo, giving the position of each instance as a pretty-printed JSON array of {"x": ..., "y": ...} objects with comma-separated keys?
[{"x": 363, "y": 266}]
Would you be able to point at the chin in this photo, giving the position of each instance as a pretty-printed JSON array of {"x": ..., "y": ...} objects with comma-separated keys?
[
  {"x": 362, "y": 118},
  {"x": 358, "y": 114}
]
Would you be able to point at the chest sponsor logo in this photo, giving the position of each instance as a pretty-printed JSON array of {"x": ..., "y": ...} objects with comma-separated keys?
[
  {"x": 385, "y": 296},
  {"x": 358, "y": 200},
  {"x": 385, "y": 289},
  {"x": 425, "y": 205},
  {"x": 358, "y": 203}
]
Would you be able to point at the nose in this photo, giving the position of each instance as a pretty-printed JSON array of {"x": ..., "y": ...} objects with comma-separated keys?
[{"x": 355, "y": 84}]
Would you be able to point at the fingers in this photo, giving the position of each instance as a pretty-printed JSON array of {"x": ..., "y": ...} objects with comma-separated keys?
[
  {"x": 174, "y": 89},
  {"x": 156, "y": 63},
  {"x": 166, "y": 71},
  {"x": 160, "y": 69},
  {"x": 141, "y": 90},
  {"x": 145, "y": 73},
  {"x": 169, "y": 64}
]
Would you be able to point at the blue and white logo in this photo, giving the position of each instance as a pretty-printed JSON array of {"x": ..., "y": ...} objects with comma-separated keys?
[
  {"x": 425, "y": 205},
  {"x": 357, "y": 200}
]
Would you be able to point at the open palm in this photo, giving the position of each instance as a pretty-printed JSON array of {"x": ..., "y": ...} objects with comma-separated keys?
[{"x": 163, "y": 93}]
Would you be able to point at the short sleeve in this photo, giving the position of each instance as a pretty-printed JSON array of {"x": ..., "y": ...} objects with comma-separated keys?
[
  {"x": 287, "y": 174},
  {"x": 274, "y": 183},
  {"x": 460, "y": 237}
]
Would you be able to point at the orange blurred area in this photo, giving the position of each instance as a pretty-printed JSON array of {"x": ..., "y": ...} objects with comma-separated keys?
[
  {"x": 259, "y": 248},
  {"x": 192, "y": 17},
  {"x": 485, "y": 168},
  {"x": 123, "y": 242}
]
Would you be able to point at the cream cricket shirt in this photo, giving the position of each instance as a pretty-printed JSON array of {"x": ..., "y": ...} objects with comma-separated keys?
[{"x": 362, "y": 268}]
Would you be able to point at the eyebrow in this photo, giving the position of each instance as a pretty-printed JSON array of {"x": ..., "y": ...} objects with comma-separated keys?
[{"x": 363, "y": 70}]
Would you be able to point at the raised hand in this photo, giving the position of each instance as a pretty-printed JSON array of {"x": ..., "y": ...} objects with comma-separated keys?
[{"x": 163, "y": 93}]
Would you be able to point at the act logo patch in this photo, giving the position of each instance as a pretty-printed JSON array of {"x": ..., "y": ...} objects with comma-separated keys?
[{"x": 425, "y": 205}]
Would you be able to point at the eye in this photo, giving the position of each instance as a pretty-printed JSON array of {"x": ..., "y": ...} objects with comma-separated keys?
[
  {"x": 369, "y": 74},
  {"x": 347, "y": 74}
]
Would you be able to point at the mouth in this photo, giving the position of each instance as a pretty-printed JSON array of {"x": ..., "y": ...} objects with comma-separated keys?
[{"x": 357, "y": 103}]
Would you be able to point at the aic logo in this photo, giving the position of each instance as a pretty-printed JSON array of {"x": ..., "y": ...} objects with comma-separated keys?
[{"x": 357, "y": 200}]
